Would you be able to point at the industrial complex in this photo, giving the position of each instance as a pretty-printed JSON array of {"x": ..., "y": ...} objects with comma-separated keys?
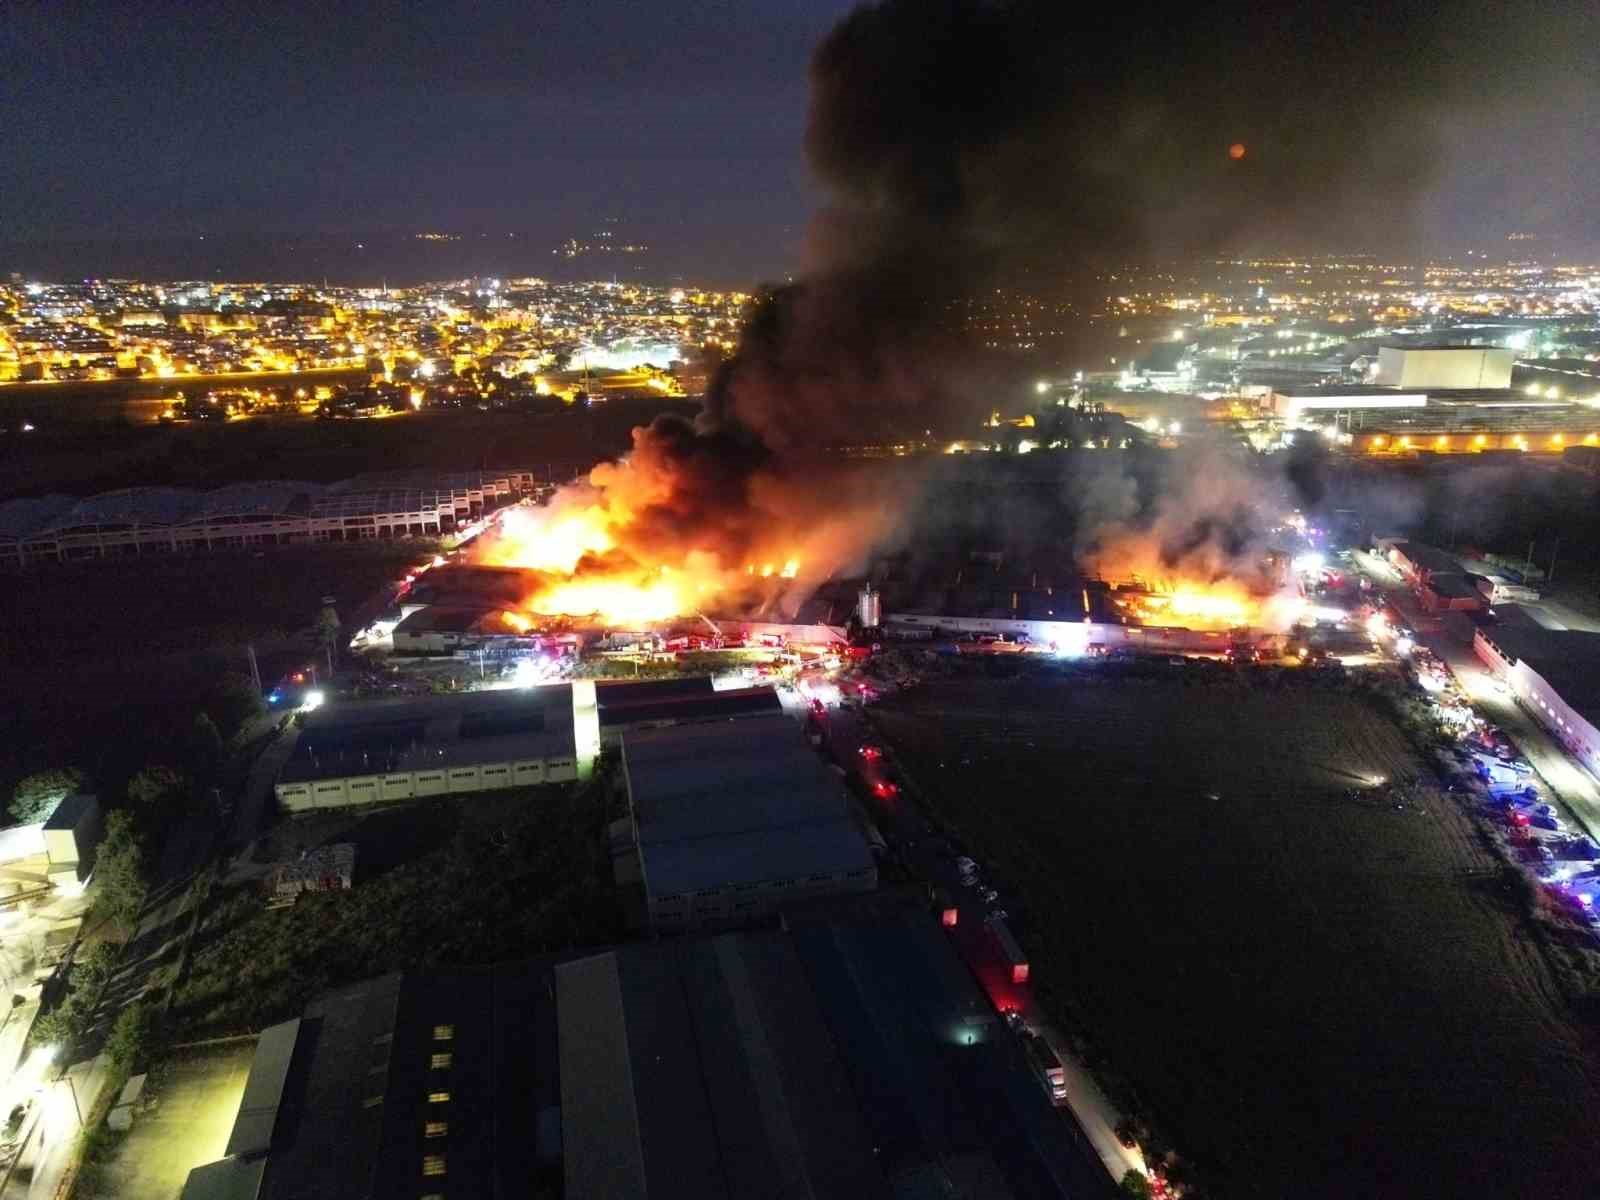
[
  {"x": 847, "y": 1054},
  {"x": 152, "y": 521}
]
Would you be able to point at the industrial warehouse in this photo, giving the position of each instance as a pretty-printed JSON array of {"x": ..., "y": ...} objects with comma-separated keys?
[
  {"x": 733, "y": 820},
  {"x": 1553, "y": 673},
  {"x": 849, "y": 1054},
  {"x": 1440, "y": 400},
  {"x": 153, "y": 521},
  {"x": 439, "y": 746}
]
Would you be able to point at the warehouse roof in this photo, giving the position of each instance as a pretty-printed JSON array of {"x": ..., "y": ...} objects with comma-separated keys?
[
  {"x": 722, "y": 804},
  {"x": 849, "y": 1055},
  {"x": 21, "y": 519},
  {"x": 1567, "y": 659},
  {"x": 265, "y": 498},
  {"x": 371, "y": 738},
  {"x": 1428, "y": 558}
]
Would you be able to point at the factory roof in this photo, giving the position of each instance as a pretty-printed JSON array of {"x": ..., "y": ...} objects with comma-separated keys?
[
  {"x": 1567, "y": 659},
  {"x": 1428, "y": 558},
  {"x": 444, "y": 618},
  {"x": 21, "y": 519},
  {"x": 691, "y": 706},
  {"x": 371, "y": 738},
  {"x": 1451, "y": 585},
  {"x": 721, "y": 804},
  {"x": 307, "y": 1123},
  {"x": 849, "y": 1055}
]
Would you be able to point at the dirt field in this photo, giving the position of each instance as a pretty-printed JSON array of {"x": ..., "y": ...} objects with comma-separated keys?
[{"x": 1313, "y": 996}]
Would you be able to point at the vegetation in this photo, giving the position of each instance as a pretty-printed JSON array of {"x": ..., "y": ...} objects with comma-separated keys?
[
  {"x": 157, "y": 789},
  {"x": 120, "y": 886},
  {"x": 36, "y": 797},
  {"x": 71, "y": 1018},
  {"x": 489, "y": 878},
  {"x": 234, "y": 701},
  {"x": 1135, "y": 1184},
  {"x": 131, "y": 1036}
]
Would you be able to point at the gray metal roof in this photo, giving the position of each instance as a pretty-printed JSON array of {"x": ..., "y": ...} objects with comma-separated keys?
[
  {"x": 134, "y": 506},
  {"x": 388, "y": 500},
  {"x": 263, "y": 1090},
  {"x": 267, "y": 498},
  {"x": 727, "y": 803},
  {"x": 379, "y": 737}
]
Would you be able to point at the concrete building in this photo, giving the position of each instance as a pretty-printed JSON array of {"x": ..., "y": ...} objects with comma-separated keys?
[
  {"x": 1555, "y": 675},
  {"x": 370, "y": 753},
  {"x": 1444, "y": 367},
  {"x": 846, "y": 1056},
  {"x": 734, "y": 819}
]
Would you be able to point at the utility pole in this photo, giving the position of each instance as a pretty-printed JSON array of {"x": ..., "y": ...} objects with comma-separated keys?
[
  {"x": 255, "y": 671},
  {"x": 1528, "y": 566},
  {"x": 1550, "y": 575}
]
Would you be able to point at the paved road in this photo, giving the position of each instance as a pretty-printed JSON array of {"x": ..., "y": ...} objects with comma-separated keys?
[{"x": 915, "y": 841}]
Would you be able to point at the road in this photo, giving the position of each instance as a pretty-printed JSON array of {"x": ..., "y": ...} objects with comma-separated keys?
[
  {"x": 917, "y": 844},
  {"x": 1574, "y": 787}
]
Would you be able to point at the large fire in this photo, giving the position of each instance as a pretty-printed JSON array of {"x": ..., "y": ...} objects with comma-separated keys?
[
  {"x": 672, "y": 531},
  {"x": 1220, "y": 604}
]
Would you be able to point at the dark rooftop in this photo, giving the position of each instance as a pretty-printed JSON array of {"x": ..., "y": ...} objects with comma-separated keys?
[
  {"x": 1567, "y": 659},
  {"x": 719, "y": 804}
]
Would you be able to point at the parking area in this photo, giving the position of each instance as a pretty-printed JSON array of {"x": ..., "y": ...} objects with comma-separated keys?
[{"x": 188, "y": 1110}]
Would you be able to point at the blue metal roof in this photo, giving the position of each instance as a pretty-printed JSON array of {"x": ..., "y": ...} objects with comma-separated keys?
[{"x": 21, "y": 519}]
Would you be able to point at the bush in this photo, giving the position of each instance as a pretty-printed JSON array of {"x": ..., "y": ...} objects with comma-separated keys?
[
  {"x": 36, "y": 797},
  {"x": 1135, "y": 1184},
  {"x": 130, "y": 1036}
]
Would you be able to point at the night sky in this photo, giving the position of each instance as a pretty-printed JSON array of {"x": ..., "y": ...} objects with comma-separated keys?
[{"x": 1431, "y": 125}]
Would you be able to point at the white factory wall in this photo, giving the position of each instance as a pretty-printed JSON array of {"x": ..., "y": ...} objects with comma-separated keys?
[
  {"x": 355, "y": 790},
  {"x": 1454, "y": 367},
  {"x": 1534, "y": 693},
  {"x": 1570, "y": 728}
]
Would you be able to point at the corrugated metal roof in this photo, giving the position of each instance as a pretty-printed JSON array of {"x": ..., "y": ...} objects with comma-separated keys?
[
  {"x": 727, "y": 803},
  {"x": 263, "y": 1091},
  {"x": 600, "y": 1119}
]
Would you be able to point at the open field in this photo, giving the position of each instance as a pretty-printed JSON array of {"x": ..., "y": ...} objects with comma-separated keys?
[
  {"x": 116, "y": 651},
  {"x": 1312, "y": 995}
]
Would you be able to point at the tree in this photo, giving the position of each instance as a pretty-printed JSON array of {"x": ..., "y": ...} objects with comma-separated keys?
[
  {"x": 97, "y": 967},
  {"x": 1136, "y": 1185},
  {"x": 235, "y": 701},
  {"x": 156, "y": 790},
  {"x": 129, "y": 1036},
  {"x": 205, "y": 746},
  {"x": 119, "y": 869},
  {"x": 327, "y": 629},
  {"x": 63, "y": 1025},
  {"x": 36, "y": 797}
]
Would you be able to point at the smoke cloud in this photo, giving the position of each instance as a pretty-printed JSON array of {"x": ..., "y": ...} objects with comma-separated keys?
[{"x": 965, "y": 145}]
